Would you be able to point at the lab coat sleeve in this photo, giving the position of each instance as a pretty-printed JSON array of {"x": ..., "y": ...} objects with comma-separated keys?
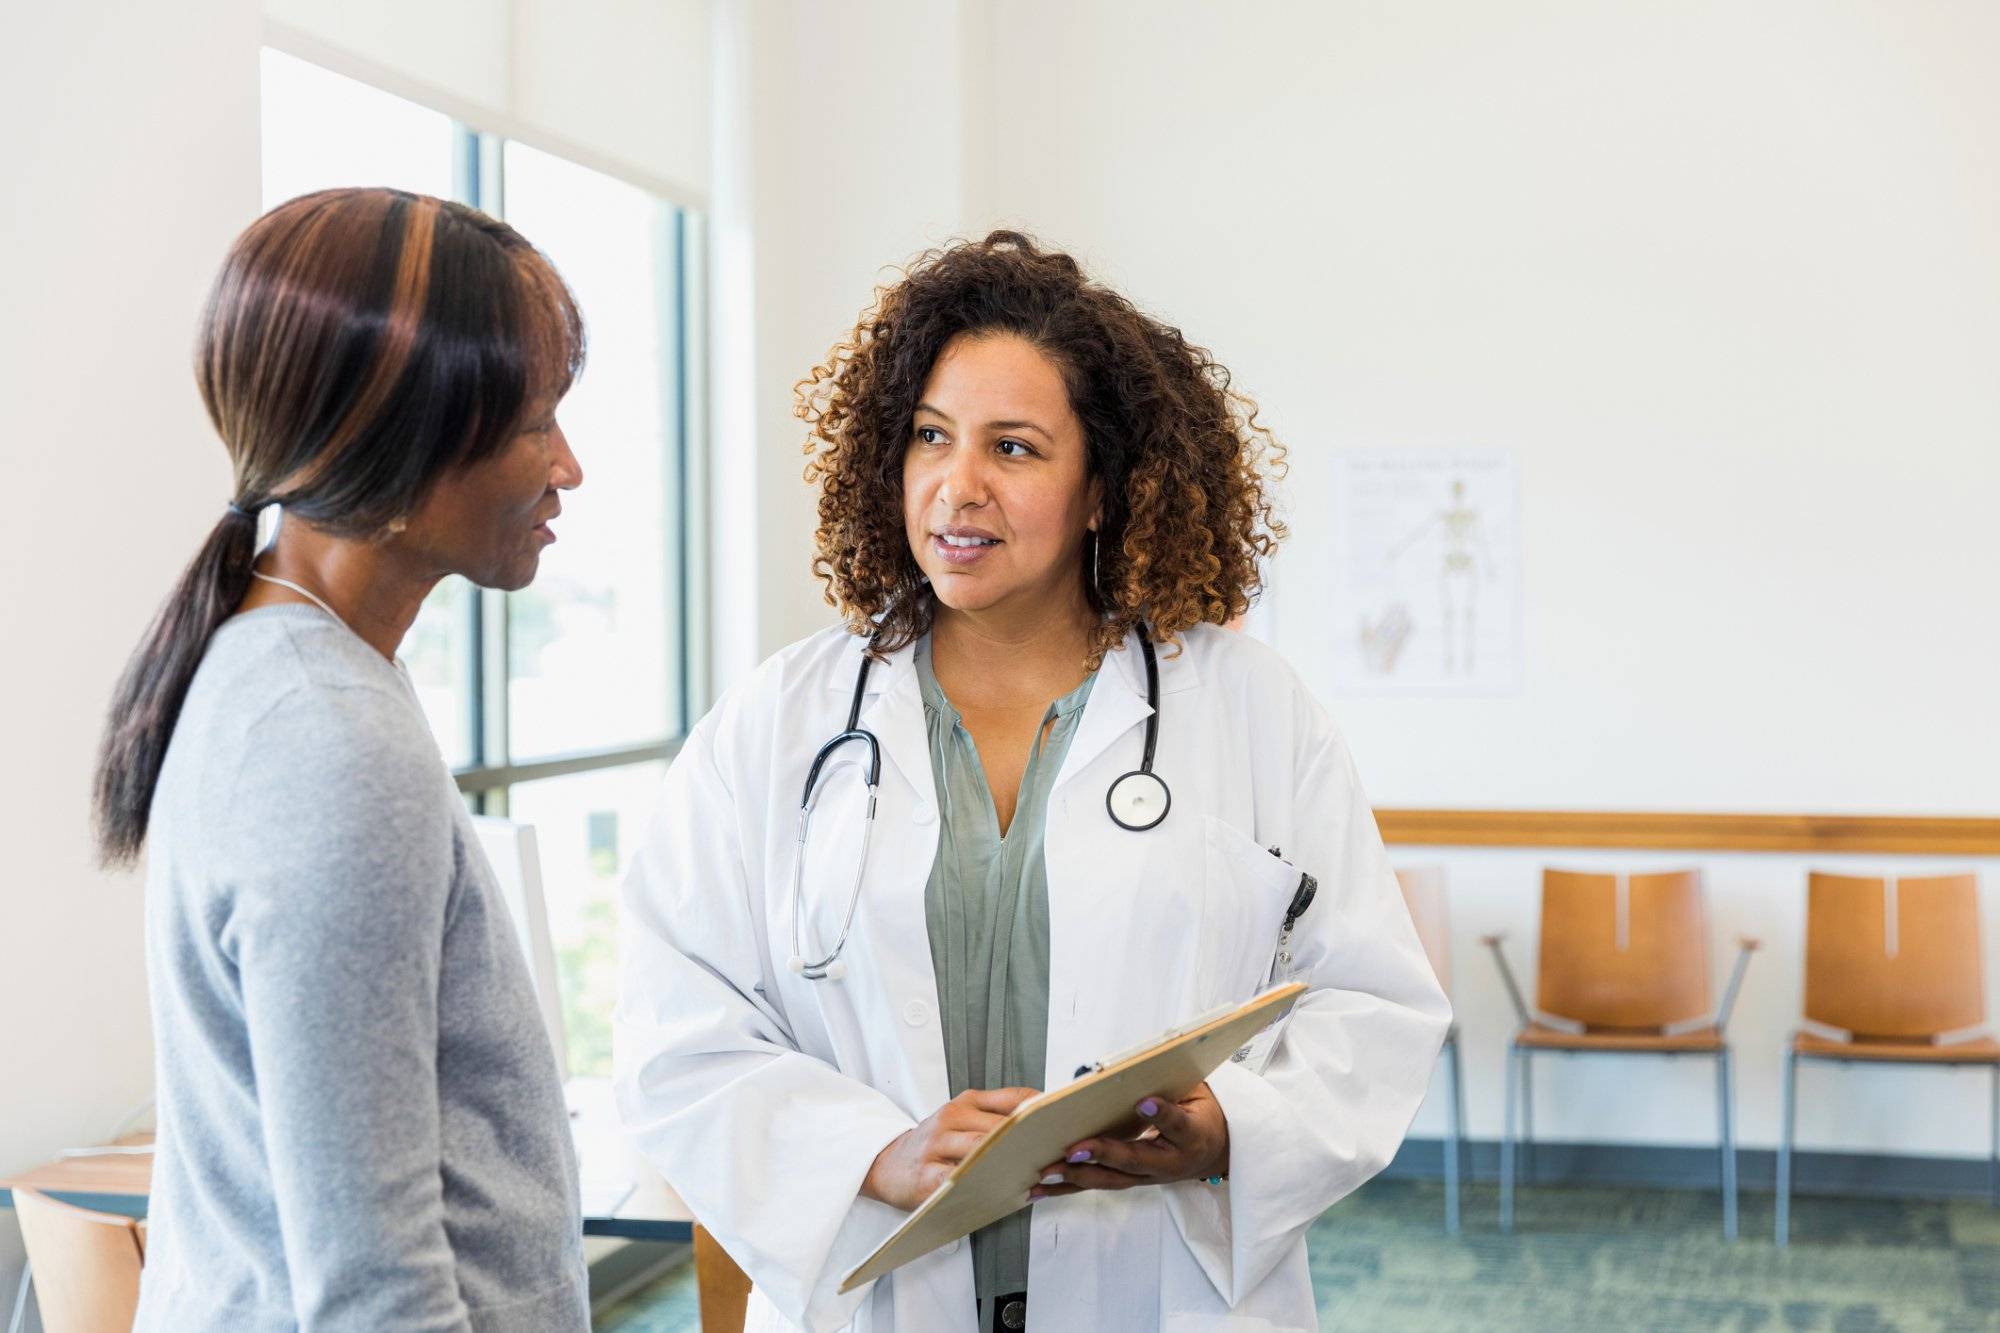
[
  {"x": 767, "y": 1145},
  {"x": 1354, "y": 1059}
]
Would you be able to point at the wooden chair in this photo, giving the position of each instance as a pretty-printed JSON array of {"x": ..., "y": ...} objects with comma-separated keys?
[
  {"x": 1423, "y": 891},
  {"x": 85, "y": 1264},
  {"x": 722, "y": 1288},
  {"x": 1622, "y": 970},
  {"x": 1895, "y": 965}
]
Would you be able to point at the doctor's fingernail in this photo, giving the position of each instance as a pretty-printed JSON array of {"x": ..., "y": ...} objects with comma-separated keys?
[
  {"x": 1080, "y": 1155},
  {"x": 1149, "y": 1108},
  {"x": 1052, "y": 1178}
]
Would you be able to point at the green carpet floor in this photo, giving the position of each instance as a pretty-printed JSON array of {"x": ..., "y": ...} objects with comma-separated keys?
[{"x": 1607, "y": 1259}]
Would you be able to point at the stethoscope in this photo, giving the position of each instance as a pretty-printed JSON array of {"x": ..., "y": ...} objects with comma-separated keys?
[{"x": 1137, "y": 801}]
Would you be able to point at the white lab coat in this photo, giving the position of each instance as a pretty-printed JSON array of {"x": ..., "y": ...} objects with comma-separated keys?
[{"x": 764, "y": 1097}]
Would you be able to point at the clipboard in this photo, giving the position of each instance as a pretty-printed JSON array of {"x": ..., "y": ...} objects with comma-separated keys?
[{"x": 994, "y": 1179}]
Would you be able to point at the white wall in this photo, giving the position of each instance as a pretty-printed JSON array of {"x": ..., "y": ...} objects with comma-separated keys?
[
  {"x": 461, "y": 46},
  {"x": 621, "y": 86},
  {"x": 843, "y": 122},
  {"x": 630, "y": 77},
  {"x": 1724, "y": 277},
  {"x": 132, "y": 162}
]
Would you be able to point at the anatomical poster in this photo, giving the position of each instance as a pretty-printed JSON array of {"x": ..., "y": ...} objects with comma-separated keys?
[{"x": 1426, "y": 596}]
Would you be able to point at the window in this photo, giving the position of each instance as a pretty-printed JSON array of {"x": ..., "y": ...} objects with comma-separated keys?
[
  {"x": 594, "y": 665},
  {"x": 560, "y": 704}
]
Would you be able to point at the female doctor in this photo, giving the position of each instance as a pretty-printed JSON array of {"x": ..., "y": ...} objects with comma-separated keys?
[{"x": 1077, "y": 840}]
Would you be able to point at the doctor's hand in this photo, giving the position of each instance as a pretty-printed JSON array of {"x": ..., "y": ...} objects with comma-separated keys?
[
  {"x": 1184, "y": 1140},
  {"x": 917, "y": 1160}
]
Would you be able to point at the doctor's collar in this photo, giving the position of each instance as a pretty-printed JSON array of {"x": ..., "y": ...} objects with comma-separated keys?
[{"x": 1177, "y": 666}]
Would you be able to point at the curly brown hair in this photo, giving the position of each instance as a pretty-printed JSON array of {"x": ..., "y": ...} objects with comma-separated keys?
[{"x": 1181, "y": 454}]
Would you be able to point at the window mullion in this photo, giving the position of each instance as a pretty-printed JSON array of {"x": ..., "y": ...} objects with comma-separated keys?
[
  {"x": 670, "y": 264},
  {"x": 692, "y": 372},
  {"x": 498, "y": 777},
  {"x": 487, "y": 168}
]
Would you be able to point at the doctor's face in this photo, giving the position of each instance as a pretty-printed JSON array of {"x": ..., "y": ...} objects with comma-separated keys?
[{"x": 996, "y": 492}]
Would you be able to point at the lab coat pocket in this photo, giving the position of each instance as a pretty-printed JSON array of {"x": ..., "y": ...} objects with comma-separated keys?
[{"x": 1245, "y": 892}]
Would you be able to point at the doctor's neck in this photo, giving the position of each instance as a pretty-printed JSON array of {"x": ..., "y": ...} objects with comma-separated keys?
[{"x": 1041, "y": 647}]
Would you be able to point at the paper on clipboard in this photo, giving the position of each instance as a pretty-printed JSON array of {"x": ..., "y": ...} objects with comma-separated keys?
[{"x": 995, "y": 1178}]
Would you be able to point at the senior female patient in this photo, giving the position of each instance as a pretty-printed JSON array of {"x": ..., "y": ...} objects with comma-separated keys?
[
  {"x": 1025, "y": 486},
  {"x": 360, "y": 1121}
]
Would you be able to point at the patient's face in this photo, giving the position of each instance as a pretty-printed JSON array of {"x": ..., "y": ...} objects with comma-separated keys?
[{"x": 491, "y": 520}]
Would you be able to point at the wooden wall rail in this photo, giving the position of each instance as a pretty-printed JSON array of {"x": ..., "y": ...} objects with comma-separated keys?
[{"x": 1636, "y": 831}]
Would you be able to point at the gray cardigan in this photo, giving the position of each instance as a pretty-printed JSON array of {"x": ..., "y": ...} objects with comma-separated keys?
[{"x": 361, "y": 1125}]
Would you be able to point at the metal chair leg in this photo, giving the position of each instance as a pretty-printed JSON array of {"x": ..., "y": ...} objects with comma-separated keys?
[
  {"x": 19, "y": 1321},
  {"x": 1725, "y": 1120},
  {"x": 1454, "y": 1137},
  {"x": 1458, "y": 1114},
  {"x": 1993, "y": 1152},
  {"x": 1507, "y": 1142},
  {"x": 1787, "y": 1115},
  {"x": 1527, "y": 1115}
]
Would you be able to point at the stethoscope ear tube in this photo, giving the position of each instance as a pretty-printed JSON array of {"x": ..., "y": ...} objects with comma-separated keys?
[
  {"x": 830, "y": 968},
  {"x": 1139, "y": 800},
  {"x": 1152, "y": 705},
  {"x": 861, "y": 734}
]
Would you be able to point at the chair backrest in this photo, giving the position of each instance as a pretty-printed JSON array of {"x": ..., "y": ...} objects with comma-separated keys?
[
  {"x": 1896, "y": 957},
  {"x": 516, "y": 859},
  {"x": 86, "y": 1264},
  {"x": 1623, "y": 951},
  {"x": 1423, "y": 891}
]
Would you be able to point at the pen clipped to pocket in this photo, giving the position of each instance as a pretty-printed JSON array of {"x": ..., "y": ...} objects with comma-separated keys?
[{"x": 1282, "y": 968}]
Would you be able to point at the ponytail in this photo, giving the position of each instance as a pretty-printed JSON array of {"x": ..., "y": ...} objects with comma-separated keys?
[{"x": 147, "y": 702}]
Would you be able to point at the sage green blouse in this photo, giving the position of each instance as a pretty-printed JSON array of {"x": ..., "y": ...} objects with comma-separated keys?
[{"x": 987, "y": 911}]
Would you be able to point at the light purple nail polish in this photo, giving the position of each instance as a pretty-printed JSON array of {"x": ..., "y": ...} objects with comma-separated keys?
[
  {"x": 1149, "y": 1108},
  {"x": 1052, "y": 1178},
  {"x": 1079, "y": 1156}
]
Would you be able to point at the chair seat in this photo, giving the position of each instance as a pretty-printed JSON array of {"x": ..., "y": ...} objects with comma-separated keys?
[
  {"x": 1540, "y": 1036},
  {"x": 1977, "y": 1050}
]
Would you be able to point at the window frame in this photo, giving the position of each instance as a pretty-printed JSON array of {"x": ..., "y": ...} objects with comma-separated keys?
[{"x": 479, "y": 179}]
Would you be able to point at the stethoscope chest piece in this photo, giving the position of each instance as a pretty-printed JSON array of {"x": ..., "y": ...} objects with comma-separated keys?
[{"x": 1138, "y": 801}]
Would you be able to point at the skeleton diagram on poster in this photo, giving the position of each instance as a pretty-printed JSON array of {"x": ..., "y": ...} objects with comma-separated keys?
[{"x": 1427, "y": 583}]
